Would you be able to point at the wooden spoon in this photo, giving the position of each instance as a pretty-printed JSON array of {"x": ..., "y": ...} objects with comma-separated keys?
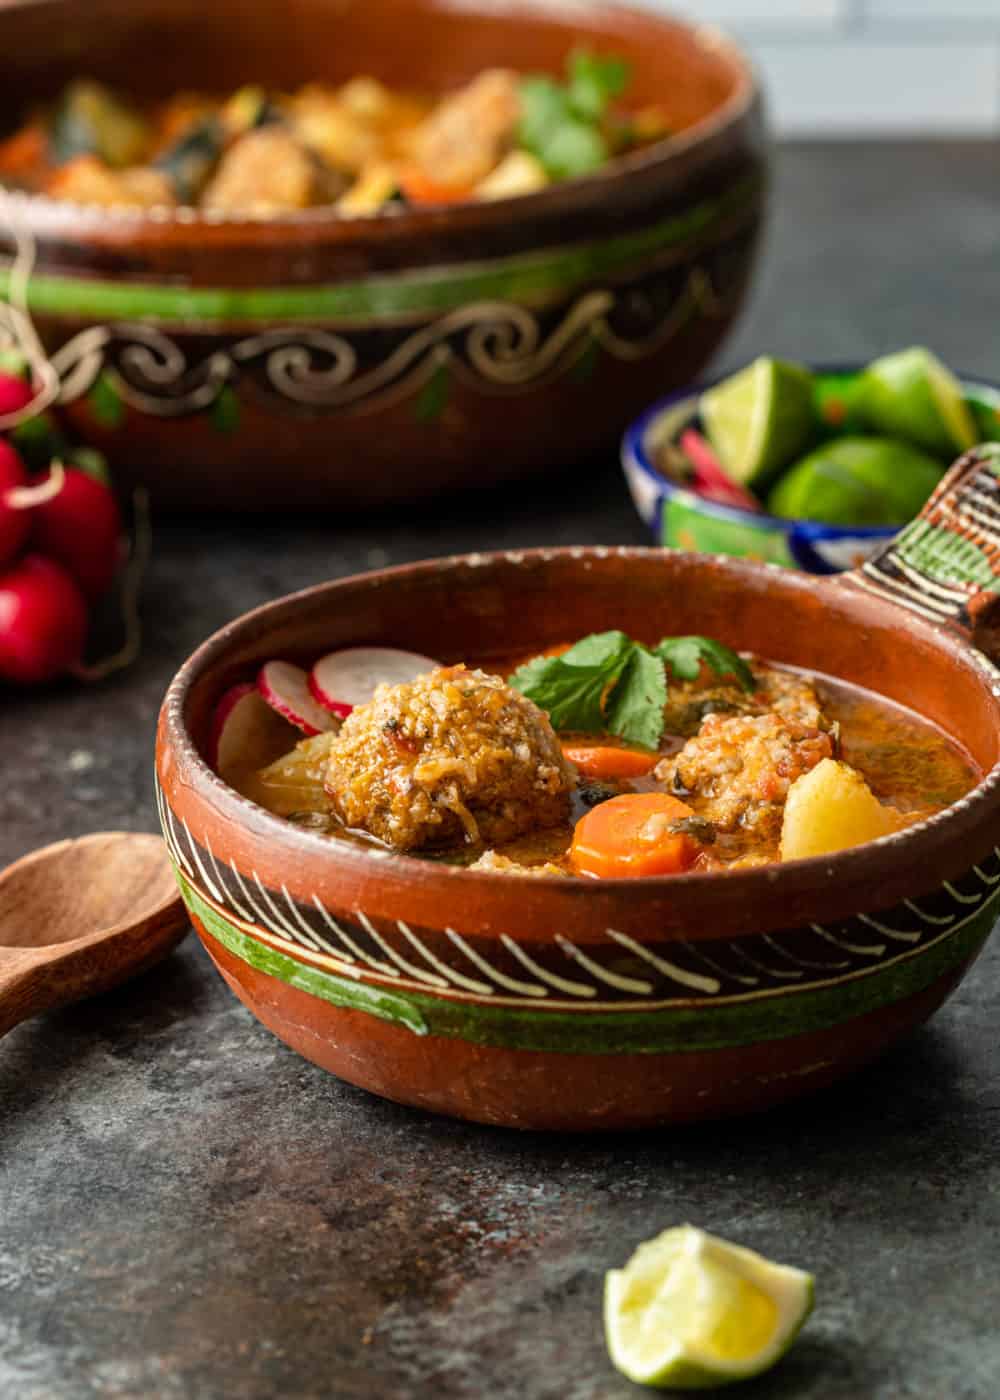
[{"x": 81, "y": 916}]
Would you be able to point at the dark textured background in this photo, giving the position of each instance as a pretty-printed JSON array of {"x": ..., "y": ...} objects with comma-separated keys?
[{"x": 189, "y": 1210}]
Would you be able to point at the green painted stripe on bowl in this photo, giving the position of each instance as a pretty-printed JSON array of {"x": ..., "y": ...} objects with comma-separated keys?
[
  {"x": 527, "y": 278},
  {"x": 674, "y": 1029}
]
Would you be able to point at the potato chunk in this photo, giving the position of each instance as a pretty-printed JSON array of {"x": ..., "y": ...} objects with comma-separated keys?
[
  {"x": 830, "y": 808},
  {"x": 293, "y": 782}
]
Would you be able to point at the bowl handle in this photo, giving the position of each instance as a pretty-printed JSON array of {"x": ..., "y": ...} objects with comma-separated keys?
[{"x": 945, "y": 565}]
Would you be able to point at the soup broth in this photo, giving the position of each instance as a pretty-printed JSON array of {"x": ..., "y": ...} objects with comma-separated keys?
[{"x": 705, "y": 757}]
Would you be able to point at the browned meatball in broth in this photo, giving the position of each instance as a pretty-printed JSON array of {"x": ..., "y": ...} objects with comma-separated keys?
[{"x": 455, "y": 756}]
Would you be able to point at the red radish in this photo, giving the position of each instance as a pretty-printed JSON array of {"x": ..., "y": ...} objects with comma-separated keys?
[
  {"x": 286, "y": 689},
  {"x": 710, "y": 477},
  {"x": 14, "y": 519},
  {"x": 15, "y": 393},
  {"x": 81, "y": 527},
  {"x": 336, "y": 707},
  {"x": 342, "y": 679},
  {"x": 246, "y": 731},
  {"x": 43, "y": 621}
]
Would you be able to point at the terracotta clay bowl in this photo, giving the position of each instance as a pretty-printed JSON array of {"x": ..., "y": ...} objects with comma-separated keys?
[
  {"x": 312, "y": 360},
  {"x": 576, "y": 1004},
  {"x": 685, "y": 519}
]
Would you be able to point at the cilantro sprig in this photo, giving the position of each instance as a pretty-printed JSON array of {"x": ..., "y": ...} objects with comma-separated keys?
[
  {"x": 562, "y": 122},
  {"x": 608, "y": 683},
  {"x": 684, "y": 656}
]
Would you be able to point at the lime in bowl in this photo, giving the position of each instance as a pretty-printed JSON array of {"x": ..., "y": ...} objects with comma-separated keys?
[{"x": 813, "y": 467}]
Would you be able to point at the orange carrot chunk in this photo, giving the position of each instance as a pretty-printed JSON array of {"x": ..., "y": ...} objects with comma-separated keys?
[
  {"x": 631, "y": 836},
  {"x": 419, "y": 188},
  {"x": 24, "y": 150},
  {"x": 610, "y": 761}
]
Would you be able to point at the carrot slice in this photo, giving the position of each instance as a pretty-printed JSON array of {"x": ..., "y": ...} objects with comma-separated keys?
[
  {"x": 610, "y": 761},
  {"x": 24, "y": 150},
  {"x": 630, "y": 836},
  {"x": 421, "y": 189}
]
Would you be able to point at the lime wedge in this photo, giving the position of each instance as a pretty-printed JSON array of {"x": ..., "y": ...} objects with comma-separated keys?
[
  {"x": 912, "y": 395},
  {"x": 857, "y": 481},
  {"x": 759, "y": 419},
  {"x": 690, "y": 1311},
  {"x": 984, "y": 405}
]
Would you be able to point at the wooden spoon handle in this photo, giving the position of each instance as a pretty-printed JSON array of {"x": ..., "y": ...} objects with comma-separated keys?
[{"x": 22, "y": 991}]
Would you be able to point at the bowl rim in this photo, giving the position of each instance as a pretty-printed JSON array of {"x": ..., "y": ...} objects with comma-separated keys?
[
  {"x": 634, "y": 453},
  {"x": 599, "y": 185},
  {"x": 802, "y": 876}
]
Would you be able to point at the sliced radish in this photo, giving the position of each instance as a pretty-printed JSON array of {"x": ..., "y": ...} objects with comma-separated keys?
[
  {"x": 710, "y": 477},
  {"x": 336, "y": 707},
  {"x": 342, "y": 679},
  {"x": 246, "y": 732},
  {"x": 286, "y": 689}
]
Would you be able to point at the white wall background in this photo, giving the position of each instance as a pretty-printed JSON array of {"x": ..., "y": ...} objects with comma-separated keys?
[{"x": 869, "y": 67}]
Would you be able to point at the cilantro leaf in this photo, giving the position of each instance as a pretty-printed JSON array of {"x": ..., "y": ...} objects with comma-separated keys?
[
  {"x": 544, "y": 107},
  {"x": 684, "y": 657},
  {"x": 572, "y": 687},
  {"x": 561, "y": 123},
  {"x": 635, "y": 707},
  {"x": 574, "y": 148},
  {"x": 607, "y": 683},
  {"x": 594, "y": 81}
]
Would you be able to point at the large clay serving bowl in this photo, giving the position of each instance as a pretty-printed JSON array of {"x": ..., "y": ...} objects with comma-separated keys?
[
  {"x": 568, "y": 1003},
  {"x": 312, "y": 360}
]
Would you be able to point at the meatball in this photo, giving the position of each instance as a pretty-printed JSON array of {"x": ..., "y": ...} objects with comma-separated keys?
[
  {"x": 740, "y": 767},
  {"x": 267, "y": 171},
  {"x": 467, "y": 133},
  {"x": 454, "y": 757},
  {"x": 779, "y": 692}
]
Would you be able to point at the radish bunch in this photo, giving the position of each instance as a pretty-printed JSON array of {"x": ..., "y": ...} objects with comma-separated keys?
[
  {"x": 60, "y": 546},
  {"x": 248, "y": 719}
]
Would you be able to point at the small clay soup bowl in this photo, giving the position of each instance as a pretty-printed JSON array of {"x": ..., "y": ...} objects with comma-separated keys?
[{"x": 578, "y": 1004}]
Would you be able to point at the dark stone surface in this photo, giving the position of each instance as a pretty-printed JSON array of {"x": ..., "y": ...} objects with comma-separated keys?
[{"x": 189, "y": 1210}]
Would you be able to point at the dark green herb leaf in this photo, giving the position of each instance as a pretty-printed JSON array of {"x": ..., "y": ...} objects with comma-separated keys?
[
  {"x": 635, "y": 707},
  {"x": 685, "y": 655},
  {"x": 571, "y": 687}
]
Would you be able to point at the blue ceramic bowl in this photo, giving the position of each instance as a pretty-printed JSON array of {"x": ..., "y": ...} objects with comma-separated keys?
[{"x": 684, "y": 519}]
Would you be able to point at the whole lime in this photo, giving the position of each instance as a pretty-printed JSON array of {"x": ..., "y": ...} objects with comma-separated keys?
[{"x": 857, "y": 481}]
